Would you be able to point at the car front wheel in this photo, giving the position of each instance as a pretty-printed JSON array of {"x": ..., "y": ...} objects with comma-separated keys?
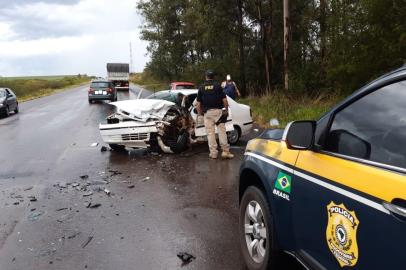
[
  {"x": 16, "y": 110},
  {"x": 256, "y": 231},
  {"x": 117, "y": 147},
  {"x": 233, "y": 136},
  {"x": 7, "y": 111}
]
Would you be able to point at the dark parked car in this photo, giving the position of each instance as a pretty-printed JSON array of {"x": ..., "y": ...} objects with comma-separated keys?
[
  {"x": 8, "y": 102},
  {"x": 102, "y": 90},
  {"x": 331, "y": 193}
]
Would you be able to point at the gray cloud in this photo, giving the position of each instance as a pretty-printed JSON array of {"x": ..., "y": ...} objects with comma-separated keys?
[
  {"x": 68, "y": 36},
  {"x": 27, "y": 24}
]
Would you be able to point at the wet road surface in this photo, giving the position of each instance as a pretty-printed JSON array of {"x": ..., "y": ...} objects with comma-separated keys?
[{"x": 157, "y": 206}]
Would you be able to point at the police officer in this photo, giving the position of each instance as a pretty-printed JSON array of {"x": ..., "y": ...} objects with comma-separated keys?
[
  {"x": 212, "y": 103},
  {"x": 230, "y": 88}
]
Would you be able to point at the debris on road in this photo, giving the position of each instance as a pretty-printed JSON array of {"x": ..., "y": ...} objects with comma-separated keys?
[
  {"x": 89, "y": 193},
  {"x": 28, "y": 188},
  {"x": 62, "y": 185},
  {"x": 32, "y": 198},
  {"x": 115, "y": 172},
  {"x": 256, "y": 130},
  {"x": 186, "y": 257},
  {"x": 98, "y": 182},
  {"x": 93, "y": 205},
  {"x": 61, "y": 209},
  {"x": 84, "y": 176},
  {"x": 131, "y": 186},
  {"x": 90, "y": 238},
  {"x": 145, "y": 179},
  {"x": 75, "y": 184},
  {"x": 16, "y": 203},
  {"x": 94, "y": 144},
  {"x": 103, "y": 149},
  {"x": 73, "y": 235},
  {"x": 35, "y": 215},
  {"x": 108, "y": 192}
]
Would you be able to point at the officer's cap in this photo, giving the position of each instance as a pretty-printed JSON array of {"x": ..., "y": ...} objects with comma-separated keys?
[{"x": 210, "y": 73}]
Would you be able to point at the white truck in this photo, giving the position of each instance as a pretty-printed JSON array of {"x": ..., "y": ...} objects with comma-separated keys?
[{"x": 119, "y": 74}]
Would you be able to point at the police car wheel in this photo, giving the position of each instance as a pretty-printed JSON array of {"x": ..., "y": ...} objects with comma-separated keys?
[{"x": 256, "y": 231}]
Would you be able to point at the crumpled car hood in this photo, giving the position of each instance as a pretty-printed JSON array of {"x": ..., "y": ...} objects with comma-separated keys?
[{"x": 144, "y": 109}]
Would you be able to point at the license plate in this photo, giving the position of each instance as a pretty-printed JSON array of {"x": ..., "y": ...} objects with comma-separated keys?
[{"x": 104, "y": 93}]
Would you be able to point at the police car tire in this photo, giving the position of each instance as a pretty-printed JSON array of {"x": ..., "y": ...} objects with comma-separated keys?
[{"x": 272, "y": 255}]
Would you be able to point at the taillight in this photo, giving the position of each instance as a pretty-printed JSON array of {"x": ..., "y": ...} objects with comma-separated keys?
[
  {"x": 126, "y": 84},
  {"x": 91, "y": 90},
  {"x": 109, "y": 90}
]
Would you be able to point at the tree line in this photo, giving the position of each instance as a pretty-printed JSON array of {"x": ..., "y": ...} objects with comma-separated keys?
[{"x": 310, "y": 46}]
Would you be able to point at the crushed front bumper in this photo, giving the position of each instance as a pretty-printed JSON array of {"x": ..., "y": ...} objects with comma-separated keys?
[{"x": 129, "y": 134}]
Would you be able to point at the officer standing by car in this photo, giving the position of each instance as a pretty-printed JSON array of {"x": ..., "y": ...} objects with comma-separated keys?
[
  {"x": 212, "y": 103},
  {"x": 230, "y": 88}
]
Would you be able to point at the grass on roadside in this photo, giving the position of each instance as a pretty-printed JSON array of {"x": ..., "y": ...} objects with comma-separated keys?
[
  {"x": 287, "y": 108},
  {"x": 27, "y": 89},
  {"x": 148, "y": 82}
]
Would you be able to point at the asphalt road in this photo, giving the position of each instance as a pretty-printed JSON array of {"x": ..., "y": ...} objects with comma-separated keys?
[{"x": 158, "y": 206}]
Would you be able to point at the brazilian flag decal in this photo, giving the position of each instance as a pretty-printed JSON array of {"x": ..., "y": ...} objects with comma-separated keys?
[{"x": 283, "y": 182}]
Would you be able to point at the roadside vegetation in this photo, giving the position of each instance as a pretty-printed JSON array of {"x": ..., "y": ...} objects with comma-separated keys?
[
  {"x": 27, "y": 88},
  {"x": 287, "y": 108},
  {"x": 293, "y": 67},
  {"x": 147, "y": 81}
]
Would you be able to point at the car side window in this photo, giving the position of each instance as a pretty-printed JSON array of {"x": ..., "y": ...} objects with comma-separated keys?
[{"x": 373, "y": 127}]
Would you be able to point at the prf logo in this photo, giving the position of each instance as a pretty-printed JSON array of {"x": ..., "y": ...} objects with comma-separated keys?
[
  {"x": 341, "y": 234},
  {"x": 283, "y": 186}
]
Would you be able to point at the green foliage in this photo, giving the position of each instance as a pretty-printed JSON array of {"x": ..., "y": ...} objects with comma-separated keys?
[
  {"x": 334, "y": 47},
  {"x": 289, "y": 107},
  {"x": 32, "y": 87}
]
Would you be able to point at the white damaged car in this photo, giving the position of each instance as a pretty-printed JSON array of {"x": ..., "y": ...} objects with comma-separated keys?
[{"x": 167, "y": 121}]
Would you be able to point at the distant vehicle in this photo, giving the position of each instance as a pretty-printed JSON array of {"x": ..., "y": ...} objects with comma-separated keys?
[
  {"x": 102, "y": 90},
  {"x": 182, "y": 85},
  {"x": 166, "y": 121},
  {"x": 8, "y": 102},
  {"x": 119, "y": 74},
  {"x": 330, "y": 193}
]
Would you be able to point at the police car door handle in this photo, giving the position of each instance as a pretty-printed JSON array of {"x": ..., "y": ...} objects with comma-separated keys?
[{"x": 395, "y": 209}]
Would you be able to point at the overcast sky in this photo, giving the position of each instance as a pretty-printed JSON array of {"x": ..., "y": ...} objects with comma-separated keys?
[{"x": 60, "y": 37}]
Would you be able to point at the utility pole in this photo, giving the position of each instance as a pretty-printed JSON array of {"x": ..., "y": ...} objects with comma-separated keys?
[
  {"x": 286, "y": 26},
  {"x": 131, "y": 59}
]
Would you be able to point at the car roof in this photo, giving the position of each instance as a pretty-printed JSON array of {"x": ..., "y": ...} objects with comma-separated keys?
[
  {"x": 185, "y": 92},
  {"x": 184, "y": 83},
  {"x": 100, "y": 80}
]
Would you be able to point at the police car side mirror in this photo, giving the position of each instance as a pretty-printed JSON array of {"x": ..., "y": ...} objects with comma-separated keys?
[{"x": 299, "y": 135}]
